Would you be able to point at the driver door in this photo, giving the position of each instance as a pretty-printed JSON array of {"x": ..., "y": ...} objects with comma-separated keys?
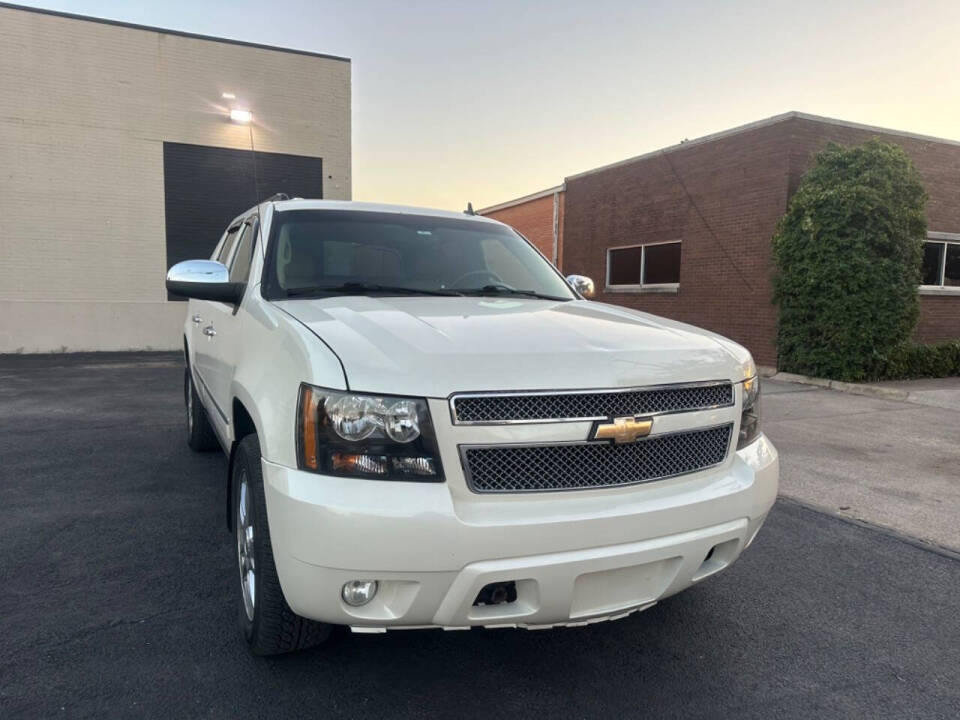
[
  {"x": 204, "y": 317},
  {"x": 221, "y": 327}
]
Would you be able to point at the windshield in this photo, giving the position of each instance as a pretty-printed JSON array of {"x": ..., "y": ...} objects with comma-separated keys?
[{"x": 314, "y": 253}]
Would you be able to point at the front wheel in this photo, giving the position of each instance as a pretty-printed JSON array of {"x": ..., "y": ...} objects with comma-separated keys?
[{"x": 268, "y": 624}]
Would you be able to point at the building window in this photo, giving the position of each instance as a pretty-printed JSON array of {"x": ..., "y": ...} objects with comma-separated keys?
[
  {"x": 941, "y": 264},
  {"x": 655, "y": 266}
]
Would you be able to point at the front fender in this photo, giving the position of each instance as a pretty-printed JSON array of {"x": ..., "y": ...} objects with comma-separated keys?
[{"x": 277, "y": 353}]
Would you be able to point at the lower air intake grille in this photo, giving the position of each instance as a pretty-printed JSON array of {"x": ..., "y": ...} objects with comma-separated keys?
[{"x": 543, "y": 468}]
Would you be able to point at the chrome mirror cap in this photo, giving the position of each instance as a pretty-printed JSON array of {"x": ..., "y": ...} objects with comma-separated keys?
[
  {"x": 204, "y": 280},
  {"x": 198, "y": 271},
  {"x": 582, "y": 284}
]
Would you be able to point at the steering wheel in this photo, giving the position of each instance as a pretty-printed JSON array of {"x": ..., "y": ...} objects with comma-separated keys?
[{"x": 482, "y": 273}]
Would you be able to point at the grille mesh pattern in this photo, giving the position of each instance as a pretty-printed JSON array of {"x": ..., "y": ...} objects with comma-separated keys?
[
  {"x": 575, "y": 467},
  {"x": 503, "y": 408}
]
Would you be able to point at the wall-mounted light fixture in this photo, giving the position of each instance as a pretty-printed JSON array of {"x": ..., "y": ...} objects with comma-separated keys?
[
  {"x": 228, "y": 96},
  {"x": 241, "y": 116}
]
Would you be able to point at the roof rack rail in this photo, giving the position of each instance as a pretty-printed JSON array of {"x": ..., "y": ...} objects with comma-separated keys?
[{"x": 277, "y": 196}]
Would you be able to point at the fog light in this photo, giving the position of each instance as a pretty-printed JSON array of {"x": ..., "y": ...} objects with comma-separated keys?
[{"x": 358, "y": 592}]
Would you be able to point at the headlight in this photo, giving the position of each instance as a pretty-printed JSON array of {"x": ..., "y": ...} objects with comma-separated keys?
[
  {"x": 750, "y": 415},
  {"x": 371, "y": 436}
]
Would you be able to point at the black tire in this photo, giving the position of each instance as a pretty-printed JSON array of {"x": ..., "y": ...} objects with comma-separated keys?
[
  {"x": 200, "y": 435},
  {"x": 273, "y": 628}
]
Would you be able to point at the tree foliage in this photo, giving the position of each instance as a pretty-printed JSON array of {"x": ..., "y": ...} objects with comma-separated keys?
[{"x": 848, "y": 254}]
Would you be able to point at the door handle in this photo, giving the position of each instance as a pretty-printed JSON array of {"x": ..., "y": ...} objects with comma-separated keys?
[
  {"x": 209, "y": 331},
  {"x": 197, "y": 319}
]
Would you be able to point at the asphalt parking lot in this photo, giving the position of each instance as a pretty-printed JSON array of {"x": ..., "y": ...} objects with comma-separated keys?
[
  {"x": 118, "y": 598},
  {"x": 894, "y": 464}
]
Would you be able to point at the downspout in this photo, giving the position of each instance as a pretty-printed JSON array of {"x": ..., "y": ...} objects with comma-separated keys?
[{"x": 556, "y": 228}]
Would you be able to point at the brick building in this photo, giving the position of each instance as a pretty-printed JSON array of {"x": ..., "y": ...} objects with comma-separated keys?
[
  {"x": 119, "y": 159},
  {"x": 685, "y": 232},
  {"x": 539, "y": 217}
]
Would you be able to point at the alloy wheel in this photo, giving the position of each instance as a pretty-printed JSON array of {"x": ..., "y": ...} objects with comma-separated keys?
[{"x": 245, "y": 547}]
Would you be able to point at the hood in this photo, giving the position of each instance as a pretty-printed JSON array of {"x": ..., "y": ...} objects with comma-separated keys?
[{"x": 435, "y": 346}]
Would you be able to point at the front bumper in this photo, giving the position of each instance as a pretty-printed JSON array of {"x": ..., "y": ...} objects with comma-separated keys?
[{"x": 576, "y": 557}]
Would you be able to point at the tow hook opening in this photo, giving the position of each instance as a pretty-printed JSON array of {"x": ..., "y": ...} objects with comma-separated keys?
[
  {"x": 717, "y": 558},
  {"x": 499, "y": 593}
]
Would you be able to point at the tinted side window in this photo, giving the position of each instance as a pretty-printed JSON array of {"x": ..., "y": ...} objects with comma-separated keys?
[{"x": 241, "y": 258}]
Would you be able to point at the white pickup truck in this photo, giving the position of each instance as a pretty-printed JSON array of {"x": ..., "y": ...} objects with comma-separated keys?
[{"x": 428, "y": 426}]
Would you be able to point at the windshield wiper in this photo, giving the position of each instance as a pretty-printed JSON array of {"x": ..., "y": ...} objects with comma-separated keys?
[
  {"x": 507, "y": 290},
  {"x": 362, "y": 287}
]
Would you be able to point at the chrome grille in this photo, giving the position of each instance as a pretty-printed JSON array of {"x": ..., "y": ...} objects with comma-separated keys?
[
  {"x": 580, "y": 466},
  {"x": 590, "y": 405}
]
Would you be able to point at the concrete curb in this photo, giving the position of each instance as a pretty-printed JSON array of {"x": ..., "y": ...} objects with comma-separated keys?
[{"x": 853, "y": 388}]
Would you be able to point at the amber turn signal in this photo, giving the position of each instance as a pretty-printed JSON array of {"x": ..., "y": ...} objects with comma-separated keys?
[{"x": 308, "y": 427}]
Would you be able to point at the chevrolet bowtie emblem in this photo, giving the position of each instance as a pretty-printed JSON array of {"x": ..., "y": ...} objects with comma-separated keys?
[{"x": 622, "y": 429}]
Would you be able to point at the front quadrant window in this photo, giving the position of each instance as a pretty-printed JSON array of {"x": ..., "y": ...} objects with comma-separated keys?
[
  {"x": 226, "y": 250},
  {"x": 240, "y": 267},
  {"x": 656, "y": 265},
  {"x": 941, "y": 264}
]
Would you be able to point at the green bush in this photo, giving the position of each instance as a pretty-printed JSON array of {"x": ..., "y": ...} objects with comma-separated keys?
[
  {"x": 911, "y": 360},
  {"x": 848, "y": 255}
]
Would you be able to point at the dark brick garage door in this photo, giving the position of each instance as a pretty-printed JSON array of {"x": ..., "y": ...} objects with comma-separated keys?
[{"x": 206, "y": 187}]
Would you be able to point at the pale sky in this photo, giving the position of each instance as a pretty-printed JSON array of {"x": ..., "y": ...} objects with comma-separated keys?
[{"x": 457, "y": 101}]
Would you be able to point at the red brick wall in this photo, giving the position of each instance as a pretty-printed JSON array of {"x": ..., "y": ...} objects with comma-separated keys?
[
  {"x": 738, "y": 183},
  {"x": 938, "y": 164},
  {"x": 738, "y": 188},
  {"x": 534, "y": 219},
  {"x": 939, "y": 319}
]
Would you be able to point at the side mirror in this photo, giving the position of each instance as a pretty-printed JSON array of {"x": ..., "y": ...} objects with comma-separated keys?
[
  {"x": 582, "y": 284},
  {"x": 204, "y": 280}
]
